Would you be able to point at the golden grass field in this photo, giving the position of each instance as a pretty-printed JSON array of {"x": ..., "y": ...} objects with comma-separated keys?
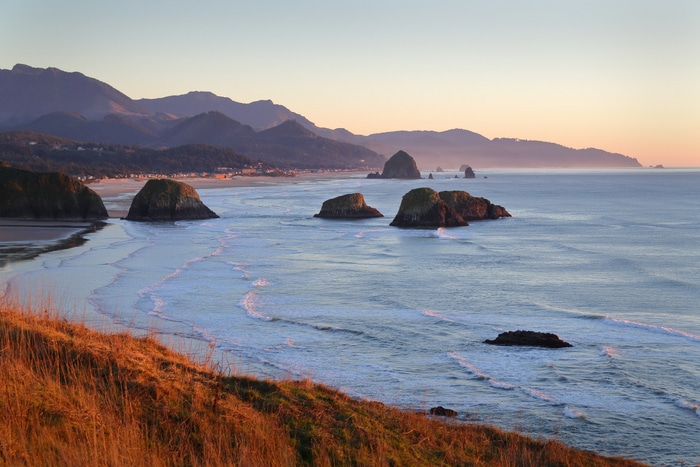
[{"x": 71, "y": 396}]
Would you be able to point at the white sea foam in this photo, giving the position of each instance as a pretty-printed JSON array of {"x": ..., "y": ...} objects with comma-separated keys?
[
  {"x": 445, "y": 234},
  {"x": 534, "y": 393},
  {"x": 435, "y": 314},
  {"x": 607, "y": 351},
  {"x": 695, "y": 407},
  {"x": 573, "y": 413},
  {"x": 652, "y": 327},
  {"x": 249, "y": 303},
  {"x": 261, "y": 282}
]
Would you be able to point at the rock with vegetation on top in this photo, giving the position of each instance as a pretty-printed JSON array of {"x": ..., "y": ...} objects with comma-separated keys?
[
  {"x": 36, "y": 195},
  {"x": 400, "y": 165},
  {"x": 168, "y": 200},
  {"x": 529, "y": 338},
  {"x": 350, "y": 206},
  {"x": 423, "y": 207},
  {"x": 473, "y": 208}
]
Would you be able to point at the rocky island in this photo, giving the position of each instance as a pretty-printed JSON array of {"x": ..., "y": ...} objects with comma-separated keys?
[
  {"x": 168, "y": 200},
  {"x": 401, "y": 165},
  {"x": 350, "y": 206},
  {"x": 424, "y": 207}
]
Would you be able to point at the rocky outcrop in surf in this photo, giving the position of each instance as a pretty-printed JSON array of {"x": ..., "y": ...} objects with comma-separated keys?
[
  {"x": 473, "y": 208},
  {"x": 423, "y": 207},
  {"x": 469, "y": 172},
  {"x": 400, "y": 165},
  {"x": 529, "y": 338},
  {"x": 350, "y": 206},
  {"x": 46, "y": 195},
  {"x": 168, "y": 200}
]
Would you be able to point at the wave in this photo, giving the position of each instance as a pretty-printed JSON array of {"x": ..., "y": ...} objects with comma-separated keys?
[
  {"x": 607, "y": 351},
  {"x": 435, "y": 314},
  {"x": 363, "y": 233},
  {"x": 261, "y": 282},
  {"x": 695, "y": 407},
  {"x": 249, "y": 303},
  {"x": 652, "y": 327},
  {"x": 442, "y": 233},
  {"x": 573, "y": 413},
  {"x": 534, "y": 393}
]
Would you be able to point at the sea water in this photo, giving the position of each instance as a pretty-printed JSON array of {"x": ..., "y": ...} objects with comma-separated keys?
[{"x": 608, "y": 260}]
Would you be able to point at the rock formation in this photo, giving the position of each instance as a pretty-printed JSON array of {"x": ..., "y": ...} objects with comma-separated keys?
[
  {"x": 529, "y": 338},
  {"x": 167, "y": 200},
  {"x": 469, "y": 173},
  {"x": 473, "y": 208},
  {"x": 35, "y": 195},
  {"x": 423, "y": 207},
  {"x": 351, "y": 206},
  {"x": 441, "y": 411},
  {"x": 400, "y": 165}
]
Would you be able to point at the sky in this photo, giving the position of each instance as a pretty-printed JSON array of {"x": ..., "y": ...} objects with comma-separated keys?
[{"x": 618, "y": 75}]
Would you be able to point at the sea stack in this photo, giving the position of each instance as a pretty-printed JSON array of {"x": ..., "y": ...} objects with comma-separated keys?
[
  {"x": 401, "y": 165},
  {"x": 168, "y": 200},
  {"x": 423, "y": 207},
  {"x": 350, "y": 206}
]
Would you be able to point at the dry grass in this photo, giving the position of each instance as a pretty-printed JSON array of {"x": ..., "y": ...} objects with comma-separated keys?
[{"x": 71, "y": 396}]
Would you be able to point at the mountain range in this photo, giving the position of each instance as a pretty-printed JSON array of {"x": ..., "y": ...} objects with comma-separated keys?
[{"x": 72, "y": 105}]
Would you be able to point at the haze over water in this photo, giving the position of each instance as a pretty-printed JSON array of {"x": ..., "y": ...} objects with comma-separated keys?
[{"x": 605, "y": 259}]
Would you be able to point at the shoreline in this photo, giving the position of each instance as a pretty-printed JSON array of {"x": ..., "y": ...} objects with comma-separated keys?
[{"x": 39, "y": 236}]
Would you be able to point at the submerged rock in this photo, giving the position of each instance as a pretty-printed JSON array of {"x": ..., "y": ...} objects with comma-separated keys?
[
  {"x": 47, "y": 195},
  {"x": 529, "y": 338},
  {"x": 168, "y": 200},
  {"x": 423, "y": 207},
  {"x": 350, "y": 206},
  {"x": 400, "y": 165},
  {"x": 473, "y": 208}
]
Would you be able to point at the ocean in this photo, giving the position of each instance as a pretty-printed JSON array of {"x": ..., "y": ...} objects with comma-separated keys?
[{"x": 606, "y": 259}]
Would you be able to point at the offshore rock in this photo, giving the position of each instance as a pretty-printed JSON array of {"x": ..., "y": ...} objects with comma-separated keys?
[
  {"x": 441, "y": 411},
  {"x": 423, "y": 207},
  {"x": 473, "y": 208},
  {"x": 529, "y": 338},
  {"x": 469, "y": 173},
  {"x": 168, "y": 200},
  {"x": 350, "y": 206},
  {"x": 400, "y": 165},
  {"x": 51, "y": 195}
]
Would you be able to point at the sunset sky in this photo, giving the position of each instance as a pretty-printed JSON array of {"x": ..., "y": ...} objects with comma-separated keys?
[{"x": 623, "y": 76}]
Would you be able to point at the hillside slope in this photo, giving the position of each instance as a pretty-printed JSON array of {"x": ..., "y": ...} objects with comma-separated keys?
[{"x": 71, "y": 396}]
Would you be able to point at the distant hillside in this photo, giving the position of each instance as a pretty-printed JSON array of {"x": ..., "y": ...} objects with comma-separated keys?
[
  {"x": 112, "y": 128},
  {"x": 27, "y": 93},
  {"x": 260, "y": 115},
  {"x": 86, "y": 109},
  {"x": 288, "y": 145},
  {"x": 453, "y": 148}
]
